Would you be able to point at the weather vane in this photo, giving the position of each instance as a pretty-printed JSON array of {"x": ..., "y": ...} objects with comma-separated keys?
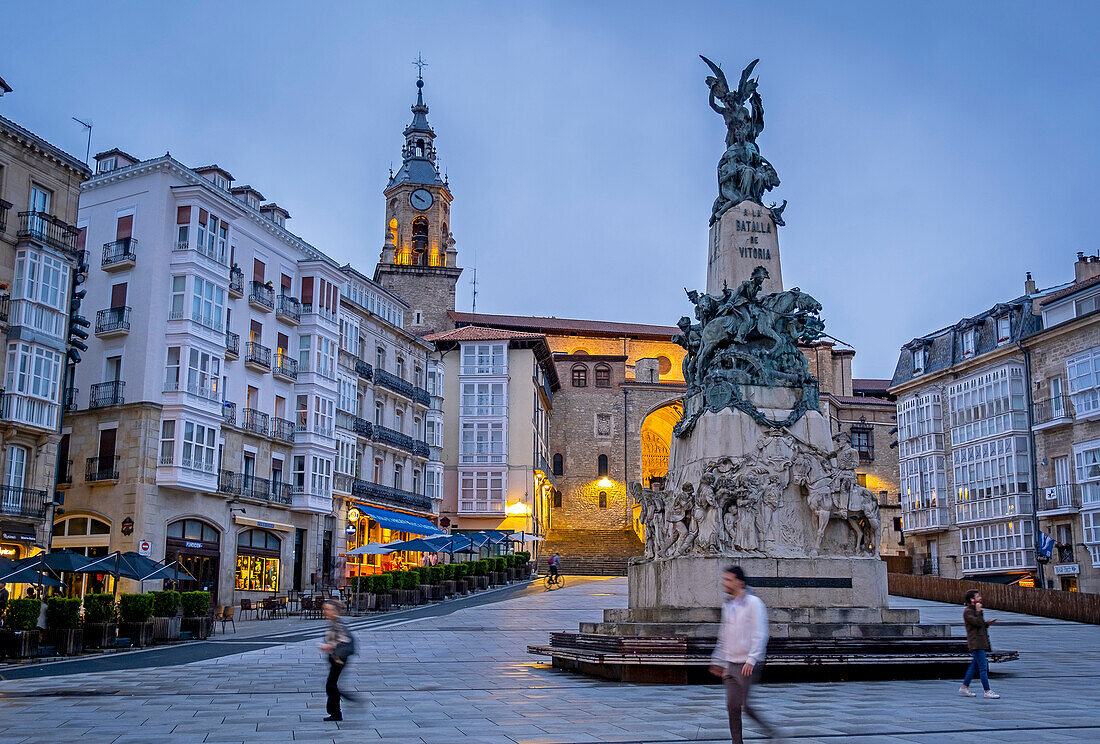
[{"x": 420, "y": 65}]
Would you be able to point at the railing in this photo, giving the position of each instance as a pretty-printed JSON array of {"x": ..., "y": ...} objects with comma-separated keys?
[
  {"x": 23, "y": 502},
  {"x": 4, "y": 207},
  {"x": 992, "y": 508},
  {"x": 393, "y": 382},
  {"x": 289, "y": 307},
  {"x": 1051, "y": 409},
  {"x": 421, "y": 396},
  {"x": 365, "y": 489},
  {"x": 233, "y": 343},
  {"x": 69, "y": 398},
  {"x": 236, "y": 280},
  {"x": 363, "y": 369},
  {"x": 308, "y": 308},
  {"x": 45, "y": 228},
  {"x": 262, "y": 295},
  {"x": 254, "y": 487},
  {"x": 65, "y": 473},
  {"x": 256, "y": 421},
  {"x": 928, "y": 518},
  {"x": 118, "y": 251},
  {"x": 362, "y": 426},
  {"x": 421, "y": 449},
  {"x": 1065, "y": 554},
  {"x": 5, "y": 308},
  {"x": 285, "y": 366},
  {"x": 257, "y": 354},
  {"x": 107, "y": 394},
  {"x": 229, "y": 412},
  {"x": 1062, "y": 496},
  {"x": 112, "y": 319},
  {"x": 283, "y": 429},
  {"x": 206, "y": 390},
  {"x": 27, "y": 410},
  {"x": 229, "y": 482},
  {"x": 101, "y": 469},
  {"x": 385, "y": 435},
  {"x": 281, "y": 493},
  {"x": 204, "y": 249}
]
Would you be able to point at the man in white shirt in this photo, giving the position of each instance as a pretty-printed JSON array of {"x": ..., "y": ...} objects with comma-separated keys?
[{"x": 739, "y": 653}]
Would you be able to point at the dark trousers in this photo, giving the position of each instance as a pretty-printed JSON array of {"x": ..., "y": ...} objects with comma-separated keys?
[
  {"x": 737, "y": 699},
  {"x": 332, "y": 686}
]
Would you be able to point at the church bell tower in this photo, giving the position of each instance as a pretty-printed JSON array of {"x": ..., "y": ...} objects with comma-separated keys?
[{"x": 418, "y": 257}]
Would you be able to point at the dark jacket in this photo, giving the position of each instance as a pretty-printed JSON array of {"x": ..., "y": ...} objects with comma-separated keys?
[
  {"x": 341, "y": 640},
  {"x": 977, "y": 630}
]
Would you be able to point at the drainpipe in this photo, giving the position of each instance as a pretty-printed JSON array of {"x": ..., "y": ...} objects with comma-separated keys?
[
  {"x": 1034, "y": 464},
  {"x": 626, "y": 469}
]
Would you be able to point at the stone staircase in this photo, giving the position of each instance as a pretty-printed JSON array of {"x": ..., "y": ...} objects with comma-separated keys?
[{"x": 591, "y": 552}]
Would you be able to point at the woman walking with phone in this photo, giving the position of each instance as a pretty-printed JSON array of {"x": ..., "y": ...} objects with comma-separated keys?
[{"x": 977, "y": 640}]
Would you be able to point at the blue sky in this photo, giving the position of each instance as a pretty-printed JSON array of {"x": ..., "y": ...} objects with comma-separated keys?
[{"x": 931, "y": 153}]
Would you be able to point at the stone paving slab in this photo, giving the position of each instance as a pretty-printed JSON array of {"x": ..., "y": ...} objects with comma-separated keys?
[{"x": 465, "y": 677}]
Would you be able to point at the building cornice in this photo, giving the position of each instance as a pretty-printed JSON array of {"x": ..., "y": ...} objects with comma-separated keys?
[
  {"x": 32, "y": 141},
  {"x": 963, "y": 369}
]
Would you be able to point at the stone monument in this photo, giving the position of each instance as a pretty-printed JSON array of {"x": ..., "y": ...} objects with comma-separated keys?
[{"x": 756, "y": 476}]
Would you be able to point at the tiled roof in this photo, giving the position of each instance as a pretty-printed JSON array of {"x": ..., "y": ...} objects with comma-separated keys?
[
  {"x": 565, "y": 326},
  {"x": 477, "y": 333},
  {"x": 870, "y": 384},
  {"x": 116, "y": 151},
  {"x": 1071, "y": 289},
  {"x": 53, "y": 150},
  {"x": 862, "y": 400}
]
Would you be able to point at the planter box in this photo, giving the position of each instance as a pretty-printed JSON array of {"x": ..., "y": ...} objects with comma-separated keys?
[
  {"x": 431, "y": 592},
  {"x": 449, "y": 587},
  {"x": 140, "y": 634},
  {"x": 67, "y": 641},
  {"x": 382, "y": 602},
  {"x": 166, "y": 628},
  {"x": 199, "y": 627},
  {"x": 401, "y": 597},
  {"x": 21, "y": 644},
  {"x": 416, "y": 597},
  {"x": 482, "y": 582},
  {"x": 499, "y": 578},
  {"x": 100, "y": 635},
  {"x": 462, "y": 586},
  {"x": 362, "y": 602}
]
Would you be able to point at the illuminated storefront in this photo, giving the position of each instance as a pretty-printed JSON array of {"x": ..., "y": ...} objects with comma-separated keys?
[
  {"x": 374, "y": 524},
  {"x": 88, "y": 536},
  {"x": 197, "y": 547},
  {"x": 257, "y": 561}
]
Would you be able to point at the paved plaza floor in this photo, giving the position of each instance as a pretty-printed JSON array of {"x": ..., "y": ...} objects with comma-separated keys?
[{"x": 465, "y": 677}]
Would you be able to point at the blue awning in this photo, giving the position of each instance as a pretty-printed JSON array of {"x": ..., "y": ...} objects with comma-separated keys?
[{"x": 392, "y": 520}]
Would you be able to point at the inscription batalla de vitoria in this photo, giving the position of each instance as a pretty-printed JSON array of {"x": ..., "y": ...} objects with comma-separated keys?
[{"x": 757, "y": 223}]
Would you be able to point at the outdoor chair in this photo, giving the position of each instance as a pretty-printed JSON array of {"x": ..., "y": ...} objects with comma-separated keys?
[
  {"x": 306, "y": 606},
  {"x": 227, "y": 617},
  {"x": 247, "y": 606},
  {"x": 216, "y": 613}
]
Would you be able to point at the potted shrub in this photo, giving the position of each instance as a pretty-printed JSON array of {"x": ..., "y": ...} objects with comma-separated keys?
[
  {"x": 496, "y": 566},
  {"x": 21, "y": 628},
  {"x": 382, "y": 587},
  {"x": 63, "y": 630},
  {"x": 435, "y": 578},
  {"x": 412, "y": 585},
  {"x": 166, "y": 615},
  {"x": 136, "y": 611},
  {"x": 449, "y": 587},
  {"x": 461, "y": 586},
  {"x": 481, "y": 571},
  {"x": 362, "y": 593},
  {"x": 196, "y": 614},
  {"x": 100, "y": 621}
]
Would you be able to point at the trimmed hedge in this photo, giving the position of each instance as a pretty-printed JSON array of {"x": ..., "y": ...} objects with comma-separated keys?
[
  {"x": 448, "y": 571},
  {"x": 62, "y": 613},
  {"x": 461, "y": 570},
  {"x": 382, "y": 583},
  {"x": 22, "y": 614},
  {"x": 195, "y": 604},
  {"x": 135, "y": 608},
  {"x": 100, "y": 608},
  {"x": 166, "y": 603},
  {"x": 525, "y": 555},
  {"x": 436, "y": 574}
]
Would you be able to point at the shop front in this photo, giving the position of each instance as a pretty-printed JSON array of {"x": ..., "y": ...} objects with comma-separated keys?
[
  {"x": 258, "y": 563},
  {"x": 89, "y": 536},
  {"x": 367, "y": 524},
  {"x": 16, "y": 540},
  {"x": 197, "y": 547}
]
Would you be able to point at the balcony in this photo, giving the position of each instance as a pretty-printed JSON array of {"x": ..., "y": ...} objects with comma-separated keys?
[
  {"x": 229, "y": 413},
  {"x": 992, "y": 509},
  {"x": 264, "y": 489},
  {"x": 283, "y": 430},
  {"x": 261, "y": 296},
  {"x": 5, "y": 309},
  {"x": 23, "y": 502},
  {"x": 69, "y": 399},
  {"x": 421, "y": 397},
  {"x": 114, "y": 321},
  {"x": 308, "y": 308},
  {"x": 928, "y": 519},
  {"x": 396, "y": 496},
  {"x": 364, "y": 370},
  {"x": 236, "y": 282},
  {"x": 23, "y": 409},
  {"x": 288, "y": 309},
  {"x": 101, "y": 469},
  {"x": 305, "y": 500},
  {"x": 385, "y": 435},
  {"x": 45, "y": 229},
  {"x": 1051, "y": 412},
  {"x": 105, "y": 394},
  {"x": 256, "y": 422},
  {"x": 342, "y": 483},
  {"x": 285, "y": 367},
  {"x": 1061, "y": 499},
  {"x": 229, "y": 482},
  {"x": 393, "y": 382},
  {"x": 232, "y": 345},
  {"x": 65, "y": 473},
  {"x": 421, "y": 449},
  {"x": 4, "y": 207},
  {"x": 119, "y": 255},
  {"x": 257, "y": 355}
]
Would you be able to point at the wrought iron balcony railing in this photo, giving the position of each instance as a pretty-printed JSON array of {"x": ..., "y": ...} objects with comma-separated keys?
[
  {"x": 101, "y": 468},
  {"x": 285, "y": 366},
  {"x": 1047, "y": 410},
  {"x": 47, "y": 229},
  {"x": 5, "y": 308},
  {"x": 396, "y": 496},
  {"x": 363, "y": 369},
  {"x": 257, "y": 354},
  {"x": 1066, "y": 496},
  {"x": 229, "y": 482},
  {"x": 232, "y": 343},
  {"x": 23, "y": 502},
  {"x": 289, "y": 307},
  {"x": 236, "y": 281},
  {"x": 70, "y": 399},
  {"x": 421, "y": 397},
  {"x": 262, "y": 295},
  {"x": 4, "y": 207},
  {"x": 421, "y": 449},
  {"x": 256, "y": 421},
  {"x": 393, "y": 382},
  {"x": 65, "y": 473},
  {"x": 112, "y": 320},
  {"x": 107, "y": 394},
  {"x": 385, "y": 435},
  {"x": 283, "y": 429},
  {"x": 119, "y": 251}
]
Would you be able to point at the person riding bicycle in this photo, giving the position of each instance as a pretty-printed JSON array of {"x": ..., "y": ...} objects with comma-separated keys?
[{"x": 555, "y": 565}]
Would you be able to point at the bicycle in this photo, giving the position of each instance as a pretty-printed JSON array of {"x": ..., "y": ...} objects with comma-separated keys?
[{"x": 554, "y": 581}]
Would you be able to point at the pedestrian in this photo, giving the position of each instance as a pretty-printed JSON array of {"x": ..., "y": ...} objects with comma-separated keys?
[
  {"x": 30, "y": 592},
  {"x": 739, "y": 654},
  {"x": 339, "y": 645},
  {"x": 977, "y": 640}
]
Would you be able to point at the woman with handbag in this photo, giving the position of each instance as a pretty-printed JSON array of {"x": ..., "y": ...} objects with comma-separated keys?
[{"x": 339, "y": 646}]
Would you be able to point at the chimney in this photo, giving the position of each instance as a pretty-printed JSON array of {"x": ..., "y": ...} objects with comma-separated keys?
[
  {"x": 1085, "y": 268},
  {"x": 1029, "y": 284}
]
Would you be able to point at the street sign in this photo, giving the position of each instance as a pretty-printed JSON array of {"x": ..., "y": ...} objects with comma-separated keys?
[
  {"x": 145, "y": 547},
  {"x": 1067, "y": 569}
]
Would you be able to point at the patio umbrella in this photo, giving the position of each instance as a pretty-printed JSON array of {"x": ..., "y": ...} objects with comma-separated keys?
[
  {"x": 525, "y": 537},
  {"x": 29, "y": 576},
  {"x": 172, "y": 571},
  {"x": 61, "y": 560},
  {"x": 373, "y": 548}
]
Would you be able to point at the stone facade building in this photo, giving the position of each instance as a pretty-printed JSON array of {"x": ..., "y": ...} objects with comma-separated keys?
[{"x": 39, "y": 189}]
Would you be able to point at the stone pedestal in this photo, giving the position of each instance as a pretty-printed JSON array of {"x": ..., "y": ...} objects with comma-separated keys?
[{"x": 742, "y": 239}]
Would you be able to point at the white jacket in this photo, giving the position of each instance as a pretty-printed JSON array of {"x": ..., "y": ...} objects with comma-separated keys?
[{"x": 743, "y": 635}]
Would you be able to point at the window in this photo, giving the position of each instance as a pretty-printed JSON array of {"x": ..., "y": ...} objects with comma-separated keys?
[
  {"x": 1004, "y": 329},
  {"x": 920, "y": 359},
  {"x": 988, "y": 404},
  {"x": 203, "y": 374},
  {"x": 320, "y": 476},
  {"x": 601, "y": 466},
  {"x": 379, "y": 412},
  {"x": 346, "y": 457},
  {"x": 863, "y": 441},
  {"x": 399, "y": 420},
  {"x": 483, "y": 359},
  {"x": 324, "y": 414},
  {"x": 603, "y": 499},
  {"x": 179, "y": 288},
  {"x": 303, "y": 353},
  {"x": 481, "y": 492},
  {"x": 378, "y": 470},
  {"x": 482, "y": 441},
  {"x": 401, "y": 367},
  {"x": 15, "y": 475},
  {"x": 603, "y": 376},
  {"x": 40, "y": 293},
  {"x": 192, "y": 529},
  {"x": 556, "y": 499},
  {"x": 326, "y": 358},
  {"x": 416, "y": 481},
  {"x": 969, "y": 342},
  {"x": 299, "y": 473},
  {"x": 198, "y": 447},
  {"x": 257, "y": 562},
  {"x": 167, "y": 442},
  {"x": 1083, "y": 374},
  {"x": 380, "y": 358},
  {"x": 32, "y": 382},
  {"x": 106, "y": 165},
  {"x": 347, "y": 394},
  {"x": 397, "y": 473},
  {"x": 432, "y": 485},
  {"x": 580, "y": 376},
  {"x": 207, "y": 303},
  {"x": 433, "y": 434},
  {"x": 483, "y": 399},
  {"x": 559, "y": 465},
  {"x": 1000, "y": 545}
]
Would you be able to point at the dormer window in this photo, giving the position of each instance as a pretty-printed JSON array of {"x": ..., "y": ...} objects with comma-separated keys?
[
  {"x": 253, "y": 202},
  {"x": 220, "y": 181},
  {"x": 969, "y": 342},
  {"x": 1004, "y": 330},
  {"x": 920, "y": 360},
  {"x": 106, "y": 165}
]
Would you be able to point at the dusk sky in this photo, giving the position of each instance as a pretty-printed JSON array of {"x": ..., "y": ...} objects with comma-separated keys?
[{"x": 931, "y": 153}]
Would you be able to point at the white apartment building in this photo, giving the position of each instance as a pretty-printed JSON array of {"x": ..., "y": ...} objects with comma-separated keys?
[{"x": 242, "y": 388}]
